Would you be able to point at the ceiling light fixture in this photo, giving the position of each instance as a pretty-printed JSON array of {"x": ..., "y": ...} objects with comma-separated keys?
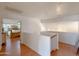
[{"x": 59, "y": 8}]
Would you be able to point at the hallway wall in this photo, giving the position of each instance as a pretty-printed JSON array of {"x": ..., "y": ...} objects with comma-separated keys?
[{"x": 31, "y": 33}]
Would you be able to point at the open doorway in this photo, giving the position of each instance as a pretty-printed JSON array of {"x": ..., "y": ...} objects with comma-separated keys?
[
  {"x": 12, "y": 30},
  {"x": 11, "y": 34}
]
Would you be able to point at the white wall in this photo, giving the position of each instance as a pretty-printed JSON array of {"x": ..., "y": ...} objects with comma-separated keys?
[
  {"x": 68, "y": 31},
  {"x": 44, "y": 45},
  {"x": 31, "y": 34},
  {"x": 68, "y": 37},
  {"x": 10, "y": 21},
  {"x": 31, "y": 25},
  {"x": 62, "y": 26}
]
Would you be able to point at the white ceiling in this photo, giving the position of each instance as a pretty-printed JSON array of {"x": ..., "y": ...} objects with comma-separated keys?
[{"x": 45, "y": 11}]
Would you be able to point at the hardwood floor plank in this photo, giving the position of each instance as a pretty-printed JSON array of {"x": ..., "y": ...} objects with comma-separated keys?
[{"x": 65, "y": 50}]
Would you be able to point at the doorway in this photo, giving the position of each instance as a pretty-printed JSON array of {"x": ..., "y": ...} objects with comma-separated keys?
[{"x": 11, "y": 37}]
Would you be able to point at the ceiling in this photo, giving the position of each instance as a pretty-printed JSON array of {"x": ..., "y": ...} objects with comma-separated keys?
[{"x": 45, "y": 11}]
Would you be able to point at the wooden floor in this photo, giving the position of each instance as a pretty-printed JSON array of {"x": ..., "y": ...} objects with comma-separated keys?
[
  {"x": 14, "y": 47},
  {"x": 64, "y": 50},
  {"x": 26, "y": 51},
  {"x": 11, "y": 48}
]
